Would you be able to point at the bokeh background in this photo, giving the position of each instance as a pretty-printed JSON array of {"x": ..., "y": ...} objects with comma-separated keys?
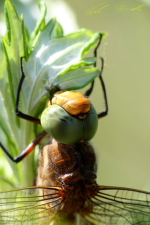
[{"x": 122, "y": 142}]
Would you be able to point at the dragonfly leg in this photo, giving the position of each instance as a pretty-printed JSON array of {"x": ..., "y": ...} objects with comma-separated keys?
[
  {"x": 18, "y": 113},
  {"x": 25, "y": 152},
  {"x": 89, "y": 91},
  {"x": 105, "y": 112}
]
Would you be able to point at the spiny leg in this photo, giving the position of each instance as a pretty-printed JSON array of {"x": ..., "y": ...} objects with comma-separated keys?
[
  {"x": 31, "y": 146},
  {"x": 18, "y": 113},
  {"x": 25, "y": 152},
  {"x": 89, "y": 91},
  {"x": 105, "y": 112}
]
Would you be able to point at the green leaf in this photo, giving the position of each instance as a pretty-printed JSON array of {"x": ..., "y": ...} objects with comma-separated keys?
[
  {"x": 13, "y": 47},
  {"x": 39, "y": 26},
  {"x": 76, "y": 79}
]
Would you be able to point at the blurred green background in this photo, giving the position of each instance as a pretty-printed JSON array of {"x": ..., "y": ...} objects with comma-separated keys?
[{"x": 122, "y": 142}]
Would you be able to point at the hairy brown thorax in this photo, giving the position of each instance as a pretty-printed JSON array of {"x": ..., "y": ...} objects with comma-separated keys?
[{"x": 73, "y": 169}]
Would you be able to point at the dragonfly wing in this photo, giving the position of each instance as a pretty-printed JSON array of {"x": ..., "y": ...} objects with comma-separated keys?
[
  {"x": 33, "y": 205},
  {"x": 39, "y": 205},
  {"x": 120, "y": 206}
]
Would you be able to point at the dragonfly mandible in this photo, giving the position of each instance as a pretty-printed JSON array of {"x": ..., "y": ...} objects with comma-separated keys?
[{"x": 66, "y": 190}]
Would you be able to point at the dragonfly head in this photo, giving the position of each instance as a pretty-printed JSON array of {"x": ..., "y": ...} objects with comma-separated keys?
[{"x": 70, "y": 119}]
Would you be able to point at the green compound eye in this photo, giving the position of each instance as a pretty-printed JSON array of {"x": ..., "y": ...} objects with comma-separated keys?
[
  {"x": 90, "y": 124},
  {"x": 67, "y": 129},
  {"x": 60, "y": 125}
]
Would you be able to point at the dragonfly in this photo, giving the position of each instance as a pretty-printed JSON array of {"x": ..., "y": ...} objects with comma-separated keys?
[{"x": 66, "y": 190}]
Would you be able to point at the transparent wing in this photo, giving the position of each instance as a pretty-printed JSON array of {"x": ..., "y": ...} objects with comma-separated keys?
[
  {"x": 33, "y": 205},
  {"x": 120, "y": 206},
  {"x": 39, "y": 205}
]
